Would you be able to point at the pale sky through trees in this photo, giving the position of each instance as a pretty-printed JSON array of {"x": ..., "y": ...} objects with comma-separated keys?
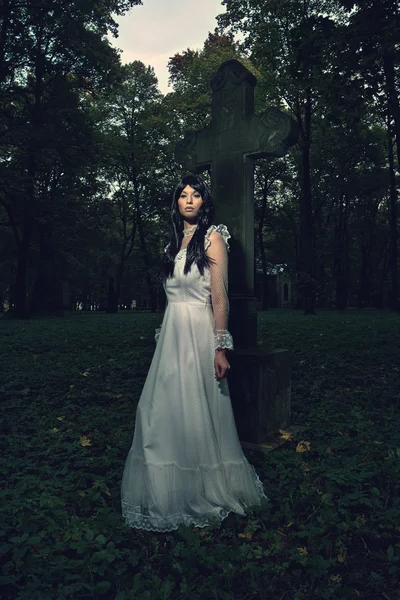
[{"x": 158, "y": 29}]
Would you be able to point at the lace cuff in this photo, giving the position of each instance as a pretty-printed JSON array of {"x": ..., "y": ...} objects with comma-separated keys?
[
  {"x": 157, "y": 335},
  {"x": 222, "y": 229},
  {"x": 223, "y": 339}
]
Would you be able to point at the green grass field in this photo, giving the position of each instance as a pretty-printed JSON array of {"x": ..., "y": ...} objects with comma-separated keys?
[{"x": 331, "y": 528}]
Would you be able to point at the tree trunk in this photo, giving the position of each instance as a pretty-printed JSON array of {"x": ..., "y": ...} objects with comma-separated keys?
[
  {"x": 44, "y": 299},
  {"x": 384, "y": 270},
  {"x": 152, "y": 290},
  {"x": 30, "y": 200},
  {"x": 124, "y": 255},
  {"x": 21, "y": 307},
  {"x": 393, "y": 260},
  {"x": 391, "y": 90},
  {"x": 306, "y": 250},
  {"x": 112, "y": 301},
  {"x": 364, "y": 290},
  {"x": 340, "y": 259},
  {"x": 119, "y": 276}
]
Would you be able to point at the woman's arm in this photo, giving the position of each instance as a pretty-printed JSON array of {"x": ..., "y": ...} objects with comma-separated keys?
[{"x": 217, "y": 251}]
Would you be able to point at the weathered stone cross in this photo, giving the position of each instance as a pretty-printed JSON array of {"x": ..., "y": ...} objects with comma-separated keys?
[
  {"x": 260, "y": 379},
  {"x": 236, "y": 137}
]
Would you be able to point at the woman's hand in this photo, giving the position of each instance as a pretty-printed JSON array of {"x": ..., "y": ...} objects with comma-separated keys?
[{"x": 221, "y": 365}]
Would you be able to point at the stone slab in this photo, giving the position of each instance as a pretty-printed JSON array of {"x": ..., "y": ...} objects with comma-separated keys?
[{"x": 260, "y": 387}]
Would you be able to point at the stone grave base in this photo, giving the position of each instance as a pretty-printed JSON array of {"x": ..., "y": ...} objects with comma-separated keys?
[
  {"x": 275, "y": 440},
  {"x": 260, "y": 387}
]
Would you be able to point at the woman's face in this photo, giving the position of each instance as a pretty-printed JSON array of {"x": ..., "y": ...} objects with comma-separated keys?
[{"x": 189, "y": 204}]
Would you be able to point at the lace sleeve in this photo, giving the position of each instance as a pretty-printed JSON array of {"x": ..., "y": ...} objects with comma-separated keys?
[{"x": 217, "y": 249}]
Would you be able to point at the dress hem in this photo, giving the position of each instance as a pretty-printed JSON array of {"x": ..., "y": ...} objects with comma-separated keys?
[{"x": 134, "y": 517}]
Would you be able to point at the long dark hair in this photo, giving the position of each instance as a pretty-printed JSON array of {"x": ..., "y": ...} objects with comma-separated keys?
[{"x": 195, "y": 249}]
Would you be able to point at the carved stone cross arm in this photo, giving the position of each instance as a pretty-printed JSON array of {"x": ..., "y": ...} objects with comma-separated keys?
[
  {"x": 194, "y": 151},
  {"x": 270, "y": 134}
]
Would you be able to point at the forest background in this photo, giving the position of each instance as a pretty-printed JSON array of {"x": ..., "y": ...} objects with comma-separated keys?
[{"x": 87, "y": 166}]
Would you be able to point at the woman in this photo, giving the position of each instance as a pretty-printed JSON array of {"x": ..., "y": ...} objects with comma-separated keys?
[{"x": 186, "y": 465}]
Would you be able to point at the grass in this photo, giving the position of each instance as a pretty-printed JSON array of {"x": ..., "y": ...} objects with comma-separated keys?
[{"x": 330, "y": 530}]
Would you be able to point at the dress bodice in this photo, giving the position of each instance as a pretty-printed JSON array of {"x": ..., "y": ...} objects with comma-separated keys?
[{"x": 193, "y": 287}]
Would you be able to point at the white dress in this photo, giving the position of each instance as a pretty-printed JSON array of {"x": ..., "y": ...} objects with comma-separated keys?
[{"x": 186, "y": 464}]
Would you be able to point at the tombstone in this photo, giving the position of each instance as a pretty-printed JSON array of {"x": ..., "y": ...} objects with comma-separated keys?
[
  {"x": 260, "y": 379},
  {"x": 285, "y": 290}
]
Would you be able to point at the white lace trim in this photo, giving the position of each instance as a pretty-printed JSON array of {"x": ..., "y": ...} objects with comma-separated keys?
[
  {"x": 222, "y": 229},
  {"x": 135, "y": 516},
  {"x": 223, "y": 339}
]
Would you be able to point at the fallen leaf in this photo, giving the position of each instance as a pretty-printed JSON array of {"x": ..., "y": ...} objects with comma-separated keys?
[
  {"x": 303, "y": 446},
  {"x": 286, "y": 435},
  {"x": 55, "y": 429},
  {"x": 247, "y": 534},
  {"x": 303, "y": 551},
  {"x": 85, "y": 441},
  {"x": 60, "y": 418},
  {"x": 342, "y": 556},
  {"x": 329, "y": 450}
]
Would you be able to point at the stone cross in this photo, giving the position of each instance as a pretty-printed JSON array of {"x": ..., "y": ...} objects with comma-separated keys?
[{"x": 234, "y": 139}]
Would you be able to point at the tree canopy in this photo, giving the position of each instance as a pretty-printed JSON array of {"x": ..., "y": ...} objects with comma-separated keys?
[{"x": 87, "y": 162}]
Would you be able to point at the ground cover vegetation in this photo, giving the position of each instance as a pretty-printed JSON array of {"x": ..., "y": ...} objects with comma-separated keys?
[{"x": 330, "y": 528}]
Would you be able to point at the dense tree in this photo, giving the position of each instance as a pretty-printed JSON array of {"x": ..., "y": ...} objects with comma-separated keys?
[
  {"x": 190, "y": 75},
  {"x": 373, "y": 38},
  {"x": 290, "y": 42},
  {"x": 87, "y": 163},
  {"x": 309, "y": 55},
  {"x": 138, "y": 166},
  {"x": 51, "y": 53}
]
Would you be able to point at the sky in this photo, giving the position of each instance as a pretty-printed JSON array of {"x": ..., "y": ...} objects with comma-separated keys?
[{"x": 158, "y": 29}]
